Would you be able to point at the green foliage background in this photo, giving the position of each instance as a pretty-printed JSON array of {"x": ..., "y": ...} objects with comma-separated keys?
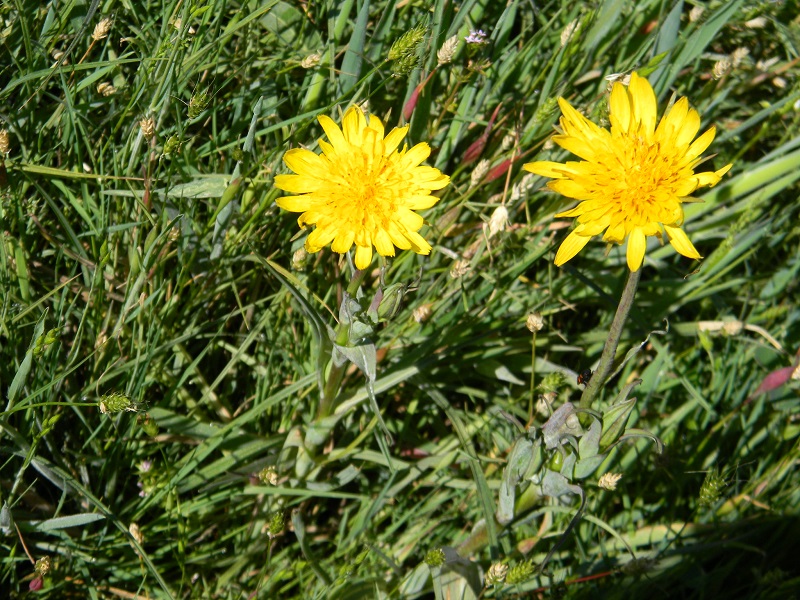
[{"x": 139, "y": 267}]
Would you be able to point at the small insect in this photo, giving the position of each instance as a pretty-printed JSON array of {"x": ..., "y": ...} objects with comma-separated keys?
[{"x": 584, "y": 376}]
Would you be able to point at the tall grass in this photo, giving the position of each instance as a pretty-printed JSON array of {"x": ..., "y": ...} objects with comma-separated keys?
[{"x": 157, "y": 273}]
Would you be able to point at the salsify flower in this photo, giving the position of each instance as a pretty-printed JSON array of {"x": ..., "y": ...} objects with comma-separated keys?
[
  {"x": 361, "y": 190},
  {"x": 633, "y": 179}
]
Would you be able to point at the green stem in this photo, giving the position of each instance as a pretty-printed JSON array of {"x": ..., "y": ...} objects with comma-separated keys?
[
  {"x": 336, "y": 374},
  {"x": 533, "y": 375},
  {"x": 598, "y": 379}
]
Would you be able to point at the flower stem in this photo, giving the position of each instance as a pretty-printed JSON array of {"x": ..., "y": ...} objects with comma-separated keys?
[
  {"x": 598, "y": 379},
  {"x": 533, "y": 375}
]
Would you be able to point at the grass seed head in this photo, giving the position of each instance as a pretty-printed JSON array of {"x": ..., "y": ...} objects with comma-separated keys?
[
  {"x": 447, "y": 51},
  {"x": 520, "y": 573},
  {"x": 435, "y": 558},
  {"x": 148, "y": 127},
  {"x": 102, "y": 28},
  {"x": 5, "y": 145},
  {"x": 496, "y": 575}
]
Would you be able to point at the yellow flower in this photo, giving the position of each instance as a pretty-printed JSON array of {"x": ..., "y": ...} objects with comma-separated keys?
[
  {"x": 632, "y": 179},
  {"x": 361, "y": 190}
]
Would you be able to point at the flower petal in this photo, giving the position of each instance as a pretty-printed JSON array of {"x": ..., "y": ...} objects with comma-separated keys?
[
  {"x": 620, "y": 115},
  {"x": 637, "y": 243},
  {"x": 363, "y": 257},
  {"x": 680, "y": 241},
  {"x": 643, "y": 103},
  {"x": 546, "y": 168},
  {"x": 573, "y": 244}
]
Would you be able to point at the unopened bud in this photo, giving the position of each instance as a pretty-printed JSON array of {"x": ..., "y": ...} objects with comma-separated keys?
[
  {"x": 149, "y": 426},
  {"x": 696, "y": 13},
  {"x": 300, "y": 259},
  {"x": 391, "y": 302}
]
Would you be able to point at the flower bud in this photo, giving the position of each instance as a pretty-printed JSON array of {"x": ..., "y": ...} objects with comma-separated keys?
[
  {"x": 300, "y": 259},
  {"x": 391, "y": 302}
]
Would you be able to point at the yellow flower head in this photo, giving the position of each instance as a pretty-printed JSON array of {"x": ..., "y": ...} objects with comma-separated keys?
[
  {"x": 632, "y": 179},
  {"x": 361, "y": 190}
]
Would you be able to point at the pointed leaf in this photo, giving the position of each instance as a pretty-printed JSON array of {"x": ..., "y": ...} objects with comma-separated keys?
[{"x": 518, "y": 462}]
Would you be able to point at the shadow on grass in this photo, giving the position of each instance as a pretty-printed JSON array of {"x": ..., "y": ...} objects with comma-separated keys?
[{"x": 749, "y": 559}]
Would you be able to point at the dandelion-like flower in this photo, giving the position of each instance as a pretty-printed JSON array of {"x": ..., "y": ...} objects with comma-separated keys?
[
  {"x": 633, "y": 179},
  {"x": 361, "y": 190}
]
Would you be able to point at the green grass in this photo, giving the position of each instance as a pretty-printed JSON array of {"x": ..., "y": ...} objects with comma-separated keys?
[{"x": 160, "y": 273}]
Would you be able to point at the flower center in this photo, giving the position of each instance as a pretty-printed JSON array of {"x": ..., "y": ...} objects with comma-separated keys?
[{"x": 644, "y": 180}]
